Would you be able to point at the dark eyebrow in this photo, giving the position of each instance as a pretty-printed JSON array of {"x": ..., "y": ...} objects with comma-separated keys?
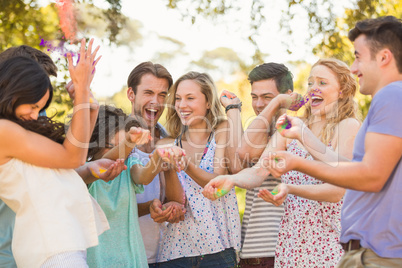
[{"x": 263, "y": 95}]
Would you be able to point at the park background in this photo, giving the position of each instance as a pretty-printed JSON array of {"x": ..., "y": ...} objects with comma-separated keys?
[{"x": 225, "y": 38}]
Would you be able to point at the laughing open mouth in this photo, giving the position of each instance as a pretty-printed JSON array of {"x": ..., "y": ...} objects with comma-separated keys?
[{"x": 316, "y": 100}]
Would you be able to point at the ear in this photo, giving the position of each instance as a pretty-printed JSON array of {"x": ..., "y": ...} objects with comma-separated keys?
[
  {"x": 289, "y": 92},
  {"x": 384, "y": 57},
  {"x": 208, "y": 106},
  {"x": 130, "y": 94}
]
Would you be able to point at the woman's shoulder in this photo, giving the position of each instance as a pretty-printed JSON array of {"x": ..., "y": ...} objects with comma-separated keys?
[
  {"x": 349, "y": 123},
  {"x": 9, "y": 128}
]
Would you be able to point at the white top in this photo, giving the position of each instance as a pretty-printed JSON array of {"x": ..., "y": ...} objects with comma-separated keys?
[
  {"x": 150, "y": 230},
  {"x": 54, "y": 212},
  {"x": 208, "y": 226}
]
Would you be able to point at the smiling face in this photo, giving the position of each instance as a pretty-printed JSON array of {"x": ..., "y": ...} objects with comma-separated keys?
[
  {"x": 191, "y": 104},
  {"x": 31, "y": 111},
  {"x": 365, "y": 67},
  {"x": 148, "y": 103},
  {"x": 324, "y": 90},
  {"x": 262, "y": 93}
]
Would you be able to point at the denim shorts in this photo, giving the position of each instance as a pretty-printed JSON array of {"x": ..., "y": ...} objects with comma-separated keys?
[{"x": 223, "y": 259}]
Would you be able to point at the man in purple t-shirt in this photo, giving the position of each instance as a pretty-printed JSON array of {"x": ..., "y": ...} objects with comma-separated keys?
[{"x": 371, "y": 214}]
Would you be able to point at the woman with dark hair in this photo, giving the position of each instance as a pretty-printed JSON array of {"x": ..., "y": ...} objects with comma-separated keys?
[{"x": 56, "y": 219}]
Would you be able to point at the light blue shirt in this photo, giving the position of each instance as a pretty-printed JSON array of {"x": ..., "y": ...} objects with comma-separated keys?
[
  {"x": 7, "y": 219},
  {"x": 376, "y": 218}
]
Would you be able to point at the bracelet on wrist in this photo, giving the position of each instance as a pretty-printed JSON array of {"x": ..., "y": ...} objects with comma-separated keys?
[{"x": 233, "y": 106}]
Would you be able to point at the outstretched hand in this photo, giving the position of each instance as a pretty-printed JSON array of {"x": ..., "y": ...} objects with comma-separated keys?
[
  {"x": 174, "y": 156},
  {"x": 279, "y": 163},
  {"x": 138, "y": 136},
  {"x": 106, "y": 169},
  {"x": 218, "y": 187},
  {"x": 276, "y": 199},
  {"x": 171, "y": 212}
]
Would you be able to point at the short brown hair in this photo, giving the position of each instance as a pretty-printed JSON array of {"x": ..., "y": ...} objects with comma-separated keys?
[
  {"x": 276, "y": 71},
  {"x": 148, "y": 67},
  {"x": 26, "y": 51},
  {"x": 383, "y": 32}
]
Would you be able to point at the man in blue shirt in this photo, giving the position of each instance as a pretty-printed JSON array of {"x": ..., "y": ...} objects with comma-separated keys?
[{"x": 371, "y": 215}]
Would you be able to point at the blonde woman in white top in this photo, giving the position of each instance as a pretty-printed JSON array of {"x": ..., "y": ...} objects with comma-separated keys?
[{"x": 56, "y": 219}]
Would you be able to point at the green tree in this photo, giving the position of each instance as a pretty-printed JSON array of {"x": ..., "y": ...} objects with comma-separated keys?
[{"x": 27, "y": 22}]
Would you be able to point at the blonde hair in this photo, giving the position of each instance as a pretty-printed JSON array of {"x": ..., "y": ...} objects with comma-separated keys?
[
  {"x": 347, "y": 106},
  {"x": 214, "y": 115}
]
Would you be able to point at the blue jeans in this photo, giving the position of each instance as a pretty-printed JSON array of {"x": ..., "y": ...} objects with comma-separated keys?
[{"x": 223, "y": 259}]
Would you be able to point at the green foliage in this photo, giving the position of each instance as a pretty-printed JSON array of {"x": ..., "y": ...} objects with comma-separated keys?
[
  {"x": 25, "y": 23},
  {"x": 120, "y": 100}
]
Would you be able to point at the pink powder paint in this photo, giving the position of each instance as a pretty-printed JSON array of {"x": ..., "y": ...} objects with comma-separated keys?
[{"x": 68, "y": 23}]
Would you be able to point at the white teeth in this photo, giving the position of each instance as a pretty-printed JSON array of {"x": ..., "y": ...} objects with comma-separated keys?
[
  {"x": 185, "y": 114},
  {"x": 152, "y": 110},
  {"x": 316, "y": 98}
]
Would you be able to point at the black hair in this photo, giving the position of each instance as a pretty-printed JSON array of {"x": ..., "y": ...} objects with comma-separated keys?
[
  {"x": 383, "y": 32},
  {"x": 278, "y": 72},
  {"x": 110, "y": 121},
  {"x": 24, "y": 81}
]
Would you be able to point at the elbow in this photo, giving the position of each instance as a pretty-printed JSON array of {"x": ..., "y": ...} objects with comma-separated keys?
[
  {"x": 375, "y": 182},
  {"x": 337, "y": 197},
  {"x": 143, "y": 182},
  {"x": 73, "y": 164},
  {"x": 375, "y": 187}
]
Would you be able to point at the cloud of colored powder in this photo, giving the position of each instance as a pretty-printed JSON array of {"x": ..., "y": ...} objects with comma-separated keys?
[{"x": 68, "y": 23}]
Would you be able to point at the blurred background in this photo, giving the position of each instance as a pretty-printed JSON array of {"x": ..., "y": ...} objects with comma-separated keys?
[{"x": 225, "y": 38}]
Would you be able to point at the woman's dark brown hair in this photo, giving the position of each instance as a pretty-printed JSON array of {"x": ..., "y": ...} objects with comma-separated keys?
[
  {"x": 24, "y": 81},
  {"x": 110, "y": 121}
]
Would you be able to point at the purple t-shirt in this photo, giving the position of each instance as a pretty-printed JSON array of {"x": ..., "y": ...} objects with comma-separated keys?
[{"x": 376, "y": 218}]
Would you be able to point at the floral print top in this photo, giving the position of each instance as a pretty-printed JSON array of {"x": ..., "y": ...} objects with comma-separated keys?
[
  {"x": 310, "y": 230},
  {"x": 209, "y": 226}
]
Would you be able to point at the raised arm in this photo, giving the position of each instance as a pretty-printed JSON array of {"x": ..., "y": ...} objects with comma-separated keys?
[
  {"x": 256, "y": 136},
  {"x": 36, "y": 149},
  {"x": 233, "y": 129}
]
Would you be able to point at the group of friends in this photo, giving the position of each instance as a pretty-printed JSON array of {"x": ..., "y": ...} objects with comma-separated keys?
[{"x": 116, "y": 190}]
